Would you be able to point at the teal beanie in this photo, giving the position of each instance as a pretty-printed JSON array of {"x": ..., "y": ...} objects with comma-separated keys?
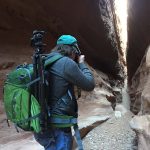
[{"x": 66, "y": 39}]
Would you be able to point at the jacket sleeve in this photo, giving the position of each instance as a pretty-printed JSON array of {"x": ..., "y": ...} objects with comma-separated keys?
[{"x": 79, "y": 75}]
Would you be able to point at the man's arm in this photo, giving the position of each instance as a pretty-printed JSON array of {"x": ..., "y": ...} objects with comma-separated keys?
[{"x": 79, "y": 75}]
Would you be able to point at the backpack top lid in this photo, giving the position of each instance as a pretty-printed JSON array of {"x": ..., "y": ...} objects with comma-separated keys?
[{"x": 21, "y": 75}]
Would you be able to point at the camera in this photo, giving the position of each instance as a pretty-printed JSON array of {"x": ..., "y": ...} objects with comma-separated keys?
[{"x": 37, "y": 39}]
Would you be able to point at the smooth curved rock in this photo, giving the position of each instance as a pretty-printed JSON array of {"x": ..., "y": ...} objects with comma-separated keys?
[{"x": 141, "y": 124}]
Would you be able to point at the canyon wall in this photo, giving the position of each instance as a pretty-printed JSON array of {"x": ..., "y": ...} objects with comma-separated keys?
[
  {"x": 138, "y": 33},
  {"x": 138, "y": 62},
  {"x": 140, "y": 87},
  {"x": 91, "y": 22}
]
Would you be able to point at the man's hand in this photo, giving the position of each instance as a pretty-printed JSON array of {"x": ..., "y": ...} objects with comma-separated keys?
[{"x": 81, "y": 58}]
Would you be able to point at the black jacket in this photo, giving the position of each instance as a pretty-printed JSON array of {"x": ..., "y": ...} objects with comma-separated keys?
[{"x": 63, "y": 75}]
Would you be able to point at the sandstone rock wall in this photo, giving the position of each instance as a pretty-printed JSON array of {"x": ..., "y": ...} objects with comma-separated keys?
[
  {"x": 141, "y": 124},
  {"x": 140, "y": 102},
  {"x": 140, "y": 86},
  {"x": 138, "y": 33},
  {"x": 138, "y": 62},
  {"x": 90, "y": 21}
]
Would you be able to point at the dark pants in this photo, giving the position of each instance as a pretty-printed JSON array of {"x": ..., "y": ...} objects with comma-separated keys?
[{"x": 55, "y": 139}]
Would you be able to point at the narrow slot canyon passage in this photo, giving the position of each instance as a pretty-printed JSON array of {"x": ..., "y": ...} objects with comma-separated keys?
[
  {"x": 114, "y": 37},
  {"x": 121, "y": 25},
  {"x": 116, "y": 132}
]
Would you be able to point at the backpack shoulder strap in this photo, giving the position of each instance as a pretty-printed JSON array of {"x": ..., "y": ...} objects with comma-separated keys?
[{"x": 50, "y": 60}]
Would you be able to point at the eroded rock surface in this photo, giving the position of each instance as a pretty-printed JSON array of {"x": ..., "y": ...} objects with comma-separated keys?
[
  {"x": 140, "y": 86},
  {"x": 141, "y": 124},
  {"x": 140, "y": 102}
]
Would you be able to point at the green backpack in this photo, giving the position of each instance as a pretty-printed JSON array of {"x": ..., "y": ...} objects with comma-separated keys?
[{"x": 21, "y": 107}]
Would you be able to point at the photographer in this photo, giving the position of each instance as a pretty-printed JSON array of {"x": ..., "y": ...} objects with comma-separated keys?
[{"x": 63, "y": 75}]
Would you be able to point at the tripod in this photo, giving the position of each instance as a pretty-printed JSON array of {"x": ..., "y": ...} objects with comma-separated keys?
[{"x": 39, "y": 87}]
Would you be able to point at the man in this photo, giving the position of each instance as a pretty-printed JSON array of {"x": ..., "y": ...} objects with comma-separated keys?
[{"x": 64, "y": 74}]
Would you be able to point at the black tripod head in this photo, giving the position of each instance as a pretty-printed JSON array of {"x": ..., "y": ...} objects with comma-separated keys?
[{"x": 37, "y": 40}]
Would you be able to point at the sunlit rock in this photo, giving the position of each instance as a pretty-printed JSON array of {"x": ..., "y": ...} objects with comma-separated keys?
[{"x": 120, "y": 110}]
